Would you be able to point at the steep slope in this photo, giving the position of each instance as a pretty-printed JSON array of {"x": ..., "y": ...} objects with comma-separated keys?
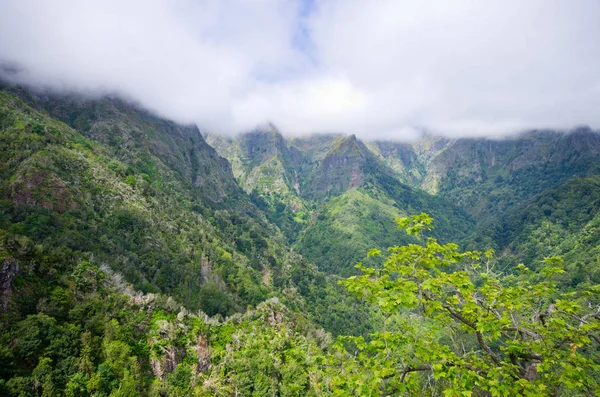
[
  {"x": 143, "y": 141},
  {"x": 564, "y": 221},
  {"x": 152, "y": 212},
  {"x": 262, "y": 160},
  {"x": 93, "y": 335},
  {"x": 345, "y": 227},
  {"x": 487, "y": 177},
  {"x": 63, "y": 192},
  {"x": 491, "y": 176},
  {"x": 351, "y": 197},
  {"x": 267, "y": 170},
  {"x": 314, "y": 147},
  {"x": 342, "y": 168},
  {"x": 491, "y": 179},
  {"x": 402, "y": 159}
]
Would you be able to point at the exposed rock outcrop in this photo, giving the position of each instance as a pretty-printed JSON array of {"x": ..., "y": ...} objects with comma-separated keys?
[{"x": 8, "y": 271}]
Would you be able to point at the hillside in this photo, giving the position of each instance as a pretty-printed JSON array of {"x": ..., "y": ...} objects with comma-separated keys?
[
  {"x": 147, "y": 198},
  {"x": 488, "y": 177},
  {"x": 562, "y": 221},
  {"x": 268, "y": 171},
  {"x": 341, "y": 199},
  {"x": 65, "y": 191},
  {"x": 349, "y": 189},
  {"x": 117, "y": 225}
]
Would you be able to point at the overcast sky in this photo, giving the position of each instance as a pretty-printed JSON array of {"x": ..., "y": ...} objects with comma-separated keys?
[{"x": 375, "y": 68}]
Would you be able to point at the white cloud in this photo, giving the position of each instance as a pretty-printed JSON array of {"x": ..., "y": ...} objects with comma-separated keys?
[{"x": 376, "y": 68}]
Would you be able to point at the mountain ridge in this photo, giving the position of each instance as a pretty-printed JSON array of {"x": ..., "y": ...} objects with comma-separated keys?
[
  {"x": 110, "y": 215},
  {"x": 340, "y": 178},
  {"x": 137, "y": 206},
  {"x": 480, "y": 176}
]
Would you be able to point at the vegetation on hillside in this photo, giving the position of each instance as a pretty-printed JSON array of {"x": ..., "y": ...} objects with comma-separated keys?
[
  {"x": 457, "y": 325},
  {"x": 133, "y": 263},
  {"x": 69, "y": 198},
  {"x": 340, "y": 200},
  {"x": 453, "y": 326}
]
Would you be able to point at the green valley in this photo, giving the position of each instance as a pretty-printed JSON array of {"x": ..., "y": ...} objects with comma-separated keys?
[
  {"x": 299, "y": 198},
  {"x": 144, "y": 257}
]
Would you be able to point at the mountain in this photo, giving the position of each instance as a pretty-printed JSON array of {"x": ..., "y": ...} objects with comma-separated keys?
[
  {"x": 341, "y": 169},
  {"x": 485, "y": 175},
  {"x": 491, "y": 179},
  {"x": 351, "y": 189},
  {"x": 135, "y": 260},
  {"x": 269, "y": 172},
  {"x": 262, "y": 161},
  {"x": 144, "y": 141},
  {"x": 348, "y": 197},
  {"x": 105, "y": 181},
  {"x": 72, "y": 195},
  {"x": 357, "y": 197},
  {"x": 402, "y": 158}
]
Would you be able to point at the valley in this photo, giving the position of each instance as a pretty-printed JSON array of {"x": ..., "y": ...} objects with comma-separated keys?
[{"x": 140, "y": 256}]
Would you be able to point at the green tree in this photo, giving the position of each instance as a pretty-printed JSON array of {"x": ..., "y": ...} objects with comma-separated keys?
[
  {"x": 456, "y": 323},
  {"x": 127, "y": 388},
  {"x": 76, "y": 387}
]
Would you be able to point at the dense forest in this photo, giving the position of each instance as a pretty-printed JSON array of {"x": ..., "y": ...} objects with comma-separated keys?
[{"x": 143, "y": 257}]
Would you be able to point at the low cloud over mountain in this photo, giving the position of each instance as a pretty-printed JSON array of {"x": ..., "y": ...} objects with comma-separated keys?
[{"x": 377, "y": 69}]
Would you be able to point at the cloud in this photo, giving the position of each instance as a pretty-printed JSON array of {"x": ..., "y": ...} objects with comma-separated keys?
[{"x": 377, "y": 69}]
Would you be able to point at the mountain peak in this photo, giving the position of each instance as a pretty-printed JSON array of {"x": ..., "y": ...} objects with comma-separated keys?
[
  {"x": 266, "y": 142},
  {"x": 342, "y": 168},
  {"x": 347, "y": 145},
  {"x": 582, "y": 129}
]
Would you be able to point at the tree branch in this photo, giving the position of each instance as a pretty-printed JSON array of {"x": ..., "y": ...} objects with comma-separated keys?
[
  {"x": 459, "y": 317},
  {"x": 595, "y": 315},
  {"x": 408, "y": 370},
  {"x": 486, "y": 348},
  {"x": 532, "y": 334},
  {"x": 472, "y": 325}
]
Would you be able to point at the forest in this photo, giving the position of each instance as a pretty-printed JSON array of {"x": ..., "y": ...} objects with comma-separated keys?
[{"x": 144, "y": 257}]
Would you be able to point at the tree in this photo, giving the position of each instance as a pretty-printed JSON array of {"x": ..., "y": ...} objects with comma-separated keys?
[{"x": 455, "y": 324}]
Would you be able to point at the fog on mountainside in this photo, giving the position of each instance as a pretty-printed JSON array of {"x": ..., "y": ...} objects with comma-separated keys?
[
  {"x": 117, "y": 225},
  {"x": 383, "y": 70},
  {"x": 299, "y": 198}
]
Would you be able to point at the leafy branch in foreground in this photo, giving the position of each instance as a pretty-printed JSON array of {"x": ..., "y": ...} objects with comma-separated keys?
[{"x": 454, "y": 324}]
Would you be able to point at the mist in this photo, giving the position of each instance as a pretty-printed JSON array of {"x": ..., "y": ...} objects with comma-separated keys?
[{"x": 381, "y": 70}]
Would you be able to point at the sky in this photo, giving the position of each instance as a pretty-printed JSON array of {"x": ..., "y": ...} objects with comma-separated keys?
[{"x": 378, "y": 69}]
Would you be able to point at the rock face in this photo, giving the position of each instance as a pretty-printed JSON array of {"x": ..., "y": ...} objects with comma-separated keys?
[
  {"x": 402, "y": 158},
  {"x": 38, "y": 188},
  {"x": 268, "y": 162},
  {"x": 341, "y": 169},
  {"x": 8, "y": 271},
  {"x": 203, "y": 353},
  {"x": 262, "y": 163}
]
